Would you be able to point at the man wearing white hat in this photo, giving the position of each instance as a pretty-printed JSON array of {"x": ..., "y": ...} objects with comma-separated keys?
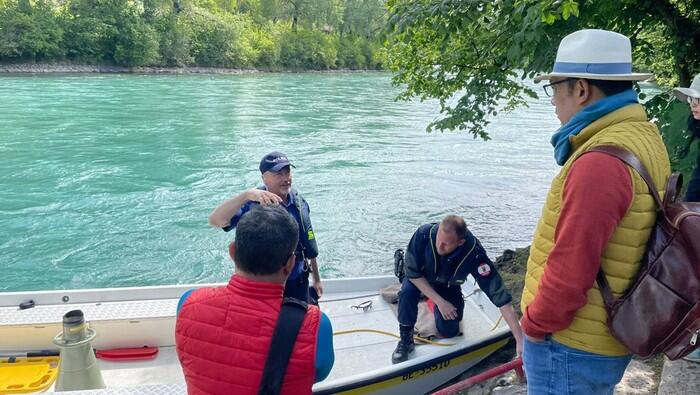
[
  {"x": 598, "y": 214},
  {"x": 691, "y": 95}
]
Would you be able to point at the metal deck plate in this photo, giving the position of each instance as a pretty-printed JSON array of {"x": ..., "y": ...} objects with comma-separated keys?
[
  {"x": 126, "y": 310},
  {"x": 164, "y": 389}
]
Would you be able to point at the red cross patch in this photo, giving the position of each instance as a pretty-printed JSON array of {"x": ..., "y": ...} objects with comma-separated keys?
[{"x": 484, "y": 269}]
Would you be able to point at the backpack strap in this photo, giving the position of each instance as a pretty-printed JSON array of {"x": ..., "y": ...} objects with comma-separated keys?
[
  {"x": 284, "y": 337},
  {"x": 631, "y": 160},
  {"x": 673, "y": 188}
]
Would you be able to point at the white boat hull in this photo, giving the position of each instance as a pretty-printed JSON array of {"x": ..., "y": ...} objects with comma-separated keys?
[{"x": 145, "y": 316}]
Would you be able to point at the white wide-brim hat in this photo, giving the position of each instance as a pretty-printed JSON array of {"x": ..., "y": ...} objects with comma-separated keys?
[
  {"x": 595, "y": 55},
  {"x": 692, "y": 91}
]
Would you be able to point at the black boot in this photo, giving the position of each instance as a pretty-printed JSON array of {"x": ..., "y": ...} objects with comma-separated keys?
[{"x": 405, "y": 345}]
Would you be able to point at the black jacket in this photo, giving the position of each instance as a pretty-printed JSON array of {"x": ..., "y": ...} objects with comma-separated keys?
[{"x": 422, "y": 260}]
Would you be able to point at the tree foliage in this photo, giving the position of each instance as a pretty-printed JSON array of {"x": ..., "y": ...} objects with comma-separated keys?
[
  {"x": 472, "y": 55},
  {"x": 29, "y": 30},
  {"x": 268, "y": 34}
]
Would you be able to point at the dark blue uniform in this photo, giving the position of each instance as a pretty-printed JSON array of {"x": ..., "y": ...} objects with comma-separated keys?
[
  {"x": 445, "y": 275},
  {"x": 297, "y": 285}
]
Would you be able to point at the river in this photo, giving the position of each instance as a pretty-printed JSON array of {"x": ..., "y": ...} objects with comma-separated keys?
[{"x": 107, "y": 180}]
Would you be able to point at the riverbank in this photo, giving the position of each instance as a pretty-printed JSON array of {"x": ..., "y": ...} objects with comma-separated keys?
[
  {"x": 641, "y": 376},
  {"x": 68, "y": 68}
]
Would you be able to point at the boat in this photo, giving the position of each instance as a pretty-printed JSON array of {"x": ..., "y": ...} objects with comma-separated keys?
[{"x": 363, "y": 324}]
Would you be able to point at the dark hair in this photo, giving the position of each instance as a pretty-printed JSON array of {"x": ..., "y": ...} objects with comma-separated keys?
[
  {"x": 456, "y": 224},
  {"x": 265, "y": 238},
  {"x": 609, "y": 88}
]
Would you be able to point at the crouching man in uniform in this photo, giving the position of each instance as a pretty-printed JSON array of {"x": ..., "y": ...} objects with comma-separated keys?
[{"x": 438, "y": 259}]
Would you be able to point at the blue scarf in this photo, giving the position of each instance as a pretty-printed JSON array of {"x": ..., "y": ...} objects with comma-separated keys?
[{"x": 561, "y": 138}]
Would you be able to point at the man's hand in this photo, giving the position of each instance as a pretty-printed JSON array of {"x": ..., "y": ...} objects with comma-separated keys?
[
  {"x": 511, "y": 318},
  {"x": 448, "y": 311},
  {"x": 316, "y": 275},
  {"x": 519, "y": 346},
  {"x": 318, "y": 287},
  {"x": 262, "y": 197}
]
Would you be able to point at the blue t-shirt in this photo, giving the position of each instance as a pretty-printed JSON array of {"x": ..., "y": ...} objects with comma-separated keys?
[
  {"x": 291, "y": 208},
  {"x": 325, "y": 356}
]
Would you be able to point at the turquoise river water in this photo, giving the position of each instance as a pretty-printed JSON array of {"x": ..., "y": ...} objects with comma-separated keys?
[{"x": 107, "y": 180}]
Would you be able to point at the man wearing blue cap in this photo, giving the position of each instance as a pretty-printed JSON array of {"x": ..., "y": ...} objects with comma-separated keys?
[{"x": 277, "y": 179}]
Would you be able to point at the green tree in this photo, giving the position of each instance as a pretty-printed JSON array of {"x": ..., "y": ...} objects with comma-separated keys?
[
  {"x": 296, "y": 9},
  {"x": 30, "y": 30},
  {"x": 109, "y": 30},
  {"x": 269, "y": 34},
  {"x": 365, "y": 18},
  {"x": 136, "y": 43},
  {"x": 217, "y": 40},
  {"x": 319, "y": 14},
  {"x": 307, "y": 49},
  {"x": 472, "y": 55},
  {"x": 270, "y": 10},
  {"x": 175, "y": 35}
]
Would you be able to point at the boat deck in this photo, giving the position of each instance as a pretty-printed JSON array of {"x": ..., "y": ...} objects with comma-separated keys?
[{"x": 145, "y": 316}]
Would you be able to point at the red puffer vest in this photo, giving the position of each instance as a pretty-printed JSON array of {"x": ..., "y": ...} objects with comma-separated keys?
[{"x": 223, "y": 335}]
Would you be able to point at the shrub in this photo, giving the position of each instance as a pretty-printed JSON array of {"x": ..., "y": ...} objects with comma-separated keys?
[
  {"x": 218, "y": 40},
  {"x": 307, "y": 49},
  {"x": 175, "y": 35},
  {"x": 350, "y": 54},
  {"x": 30, "y": 31},
  {"x": 136, "y": 43}
]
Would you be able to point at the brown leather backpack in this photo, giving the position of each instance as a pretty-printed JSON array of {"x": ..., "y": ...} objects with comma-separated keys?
[{"x": 660, "y": 312}]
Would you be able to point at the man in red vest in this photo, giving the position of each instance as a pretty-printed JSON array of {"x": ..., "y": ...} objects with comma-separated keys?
[{"x": 223, "y": 334}]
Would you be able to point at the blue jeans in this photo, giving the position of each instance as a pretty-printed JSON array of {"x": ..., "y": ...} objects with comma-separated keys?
[
  {"x": 554, "y": 369},
  {"x": 409, "y": 296},
  {"x": 694, "y": 356}
]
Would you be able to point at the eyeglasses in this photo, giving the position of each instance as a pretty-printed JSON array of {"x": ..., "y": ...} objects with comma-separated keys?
[
  {"x": 694, "y": 101},
  {"x": 549, "y": 91},
  {"x": 364, "y": 306}
]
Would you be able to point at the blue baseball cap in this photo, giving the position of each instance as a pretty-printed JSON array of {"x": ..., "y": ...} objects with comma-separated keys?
[{"x": 274, "y": 162}]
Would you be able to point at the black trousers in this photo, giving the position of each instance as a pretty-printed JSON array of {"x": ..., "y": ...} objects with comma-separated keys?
[
  {"x": 409, "y": 296},
  {"x": 693, "y": 192}
]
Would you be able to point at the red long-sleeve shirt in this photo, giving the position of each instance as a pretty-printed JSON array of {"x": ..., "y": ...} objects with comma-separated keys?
[{"x": 597, "y": 194}]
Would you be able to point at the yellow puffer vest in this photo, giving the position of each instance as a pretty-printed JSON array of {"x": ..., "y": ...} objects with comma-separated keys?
[{"x": 627, "y": 127}]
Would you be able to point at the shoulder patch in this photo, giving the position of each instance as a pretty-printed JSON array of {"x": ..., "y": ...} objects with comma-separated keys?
[{"x": 484, "y": 269}]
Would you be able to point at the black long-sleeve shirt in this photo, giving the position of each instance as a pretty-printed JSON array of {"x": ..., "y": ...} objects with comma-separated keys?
[{"x": 422, "y": 260}]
